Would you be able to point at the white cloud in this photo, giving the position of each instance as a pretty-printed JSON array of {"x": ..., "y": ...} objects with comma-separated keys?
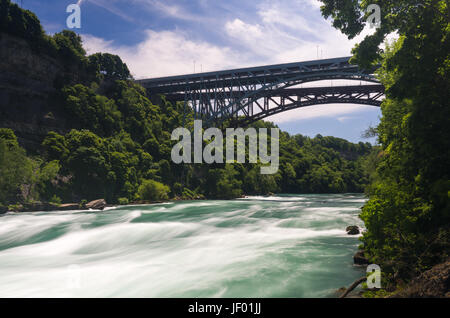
[
  {"x": 166, "y": 53},
  {"x": 285, "y": 34},
  {"x": 171, "y": 10},
  {"x": 343, "y": 119},
  {"x": 265, "y": 41},
  {"x": 108, "y": 6},
  {"x": 247, "y": 32},
  {"x": 282, "y": 35},
  {"x": 275, "y": 15},
  {"x": 314, "y": 3}
]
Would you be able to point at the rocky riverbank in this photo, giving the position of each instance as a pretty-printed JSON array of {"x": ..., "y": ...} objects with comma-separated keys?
[
  {"x": 433, "y": 283},
  {"x": 99, "y": 204}
]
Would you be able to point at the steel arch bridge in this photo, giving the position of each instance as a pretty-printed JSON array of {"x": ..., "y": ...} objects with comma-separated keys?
[{"x": 249, "y": 94}]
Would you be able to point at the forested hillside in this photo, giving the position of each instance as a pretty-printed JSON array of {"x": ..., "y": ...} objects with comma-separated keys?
[
  {"x": 110, "y": 141},
  {"x": 408, "y": 214}
]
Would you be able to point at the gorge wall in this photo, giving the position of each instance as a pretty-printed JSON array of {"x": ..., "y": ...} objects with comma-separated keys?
[{"x": 28, "y": 81}]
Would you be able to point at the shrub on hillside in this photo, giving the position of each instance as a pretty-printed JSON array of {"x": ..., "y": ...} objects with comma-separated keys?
[
  {"x": 151, "y": 190},
  {"x": 122, "y": 201}
]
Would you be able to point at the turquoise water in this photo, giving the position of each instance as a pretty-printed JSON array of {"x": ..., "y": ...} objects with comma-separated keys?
[{"x": 282, "y": 246}]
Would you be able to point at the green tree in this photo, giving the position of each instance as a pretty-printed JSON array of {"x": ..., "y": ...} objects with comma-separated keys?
[
  {"x": 109, "y": 66},
  {"x": 55, "y": 146},
  {"x": 22, "y": 178},
  {"x": 151, "y": 190},
  {"x": 70, "y": 46},
  {"x": 39, "y": 184},
  {"x": 19, "y": 22},
  {"x": 91, "y": 111},
  {"x": 15, "y": 167}
]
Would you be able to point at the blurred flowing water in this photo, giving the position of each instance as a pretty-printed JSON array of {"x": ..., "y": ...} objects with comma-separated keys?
[{"x": 282, "y": 246}]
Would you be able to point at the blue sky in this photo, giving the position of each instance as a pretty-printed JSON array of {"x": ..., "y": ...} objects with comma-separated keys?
[{"x": 170, "y": 37}]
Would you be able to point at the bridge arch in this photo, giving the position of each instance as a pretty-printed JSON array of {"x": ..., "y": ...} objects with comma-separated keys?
[
  {"x": 244, "y": 103},
  {"x": 248, "y": 92},
  {"x": 289, "y": 99}
]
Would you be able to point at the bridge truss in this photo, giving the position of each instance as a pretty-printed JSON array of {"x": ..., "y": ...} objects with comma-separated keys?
[{"x": 250, "y": 94}]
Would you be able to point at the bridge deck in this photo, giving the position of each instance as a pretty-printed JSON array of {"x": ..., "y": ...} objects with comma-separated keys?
[
  {"x": 250, "y": 76},
  {"x": 288, "y": 92}
]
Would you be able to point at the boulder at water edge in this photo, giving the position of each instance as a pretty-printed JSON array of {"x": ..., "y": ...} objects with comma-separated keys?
[{"x": 99, "y": 204}]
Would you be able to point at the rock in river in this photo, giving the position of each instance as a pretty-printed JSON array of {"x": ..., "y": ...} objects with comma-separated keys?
[
  {"x": 99, "y": 204},
  {"x": 352, "y": 230}
]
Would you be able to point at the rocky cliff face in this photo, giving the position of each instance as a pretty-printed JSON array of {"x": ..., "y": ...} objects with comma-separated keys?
[
  {"x": 434, "y": 283},
  {"x": 27, "y": 85}
]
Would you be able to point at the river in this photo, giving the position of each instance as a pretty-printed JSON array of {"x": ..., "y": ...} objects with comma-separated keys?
[{"x": 280, "y": 246}]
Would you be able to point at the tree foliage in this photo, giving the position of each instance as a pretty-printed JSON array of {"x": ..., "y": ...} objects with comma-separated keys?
[
  {"x": 110, "y": 66},
  {"x": 151, "y": 190},
  {"x": 408, "y": 215},
  {"x": 19, "y": 22},
  {"x": 23, "y": 178}
]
